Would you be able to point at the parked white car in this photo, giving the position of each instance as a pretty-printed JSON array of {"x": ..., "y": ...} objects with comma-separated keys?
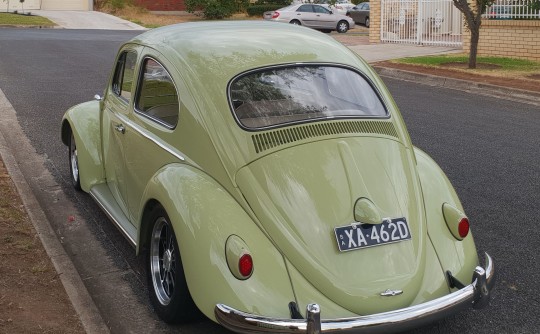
[{"x": 312, "y": 16}]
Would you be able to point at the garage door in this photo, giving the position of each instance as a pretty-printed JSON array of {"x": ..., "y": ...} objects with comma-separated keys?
[
  {"x": 16, "y": 5},
  {"x": 65, "y": 4}
]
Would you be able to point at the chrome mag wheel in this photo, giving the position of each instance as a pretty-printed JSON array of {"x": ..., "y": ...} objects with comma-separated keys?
[{"x": 163, "y": 261}]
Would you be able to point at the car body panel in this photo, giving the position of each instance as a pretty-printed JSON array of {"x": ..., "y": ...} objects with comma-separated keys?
[
  {"x": 217, "y": 179},
  {"x": 204, "y": 215},
  {"x": 83, "y": 121},
  {"x": 360, "y": 12}
]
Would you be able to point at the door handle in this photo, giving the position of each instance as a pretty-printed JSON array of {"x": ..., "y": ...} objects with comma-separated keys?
[{"x": 120, "y": 128}]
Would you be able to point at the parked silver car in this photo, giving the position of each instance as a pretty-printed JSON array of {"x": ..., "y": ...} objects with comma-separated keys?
[
  {"x": 312, "y": 16},
  {"x": 360, "y": 13}
]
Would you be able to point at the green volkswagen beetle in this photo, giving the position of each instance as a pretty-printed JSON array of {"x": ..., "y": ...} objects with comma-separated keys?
[{"x": 267, "y": 177}]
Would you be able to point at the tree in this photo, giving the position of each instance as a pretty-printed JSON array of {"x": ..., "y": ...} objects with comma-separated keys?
[
  {"x": 7, "y": 7},
  {"x": 472, "y": 11}
]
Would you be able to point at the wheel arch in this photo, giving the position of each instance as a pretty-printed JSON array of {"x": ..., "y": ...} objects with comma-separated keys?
[
  {"x": 83, "y": 121},
  {"x": 204, "y": 215}
]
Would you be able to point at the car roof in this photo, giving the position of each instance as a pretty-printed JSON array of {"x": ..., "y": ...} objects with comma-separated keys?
[{"x": 230, "y": 47}]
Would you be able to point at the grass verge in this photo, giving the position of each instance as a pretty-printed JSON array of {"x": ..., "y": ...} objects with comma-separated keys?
[
  {"x": 24, "y": 20},
  {"x": 485, "y": 65},
  {"x": 32, "y": 297}
]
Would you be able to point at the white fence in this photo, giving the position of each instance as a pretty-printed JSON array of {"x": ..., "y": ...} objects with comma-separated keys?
[
  {"x": 430, "y": 22},
  {"x": 513, "y": 9}
]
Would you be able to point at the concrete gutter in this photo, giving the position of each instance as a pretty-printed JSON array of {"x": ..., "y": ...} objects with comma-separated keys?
[{"x": 513, "y": 94}]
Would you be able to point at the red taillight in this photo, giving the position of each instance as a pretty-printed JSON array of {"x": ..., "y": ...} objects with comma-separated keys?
[
  {"x": 275, "y": 15},
  {"x": 463, "y": 227},
  {"x": 245, "y": 265}
]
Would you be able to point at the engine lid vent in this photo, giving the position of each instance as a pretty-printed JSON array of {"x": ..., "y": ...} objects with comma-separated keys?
[{"x": 271, "y": 139}]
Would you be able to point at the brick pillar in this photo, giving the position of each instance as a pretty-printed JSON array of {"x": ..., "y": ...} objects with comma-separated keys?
[{"x": 375, "y": 21}]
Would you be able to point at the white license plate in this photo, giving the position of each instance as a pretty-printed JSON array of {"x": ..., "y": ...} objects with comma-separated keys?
[{"x": 356, "y": 236}]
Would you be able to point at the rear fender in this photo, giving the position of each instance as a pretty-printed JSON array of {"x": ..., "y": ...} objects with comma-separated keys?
[
  {"x": 83, "y": 121},
  {"x": 459, "y": 257},
  {"x": 204, "y": 215}
]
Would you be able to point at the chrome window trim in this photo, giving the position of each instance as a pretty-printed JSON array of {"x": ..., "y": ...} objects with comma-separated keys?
[
  {"x": 138, "y": 92},
  {"x": 119, "y": 96},
  {"x": 323, "y": 119}
]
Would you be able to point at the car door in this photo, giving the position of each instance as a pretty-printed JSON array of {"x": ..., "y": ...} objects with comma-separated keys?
[
  {"x": 324, "y": 18},
  {"x": 305, "y": 15},
  {"x": 151, "y": 140},
  {"x": 117, "y": 105}
]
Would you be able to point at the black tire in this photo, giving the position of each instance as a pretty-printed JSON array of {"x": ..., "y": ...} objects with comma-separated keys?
[
  {"x": 74, "y": 164},
  {"x": 296, "y": 22},
  {"x": 167, "y": 285},
  {"x": 342, "y": 27},
  {"x": 367, "y": 22}
]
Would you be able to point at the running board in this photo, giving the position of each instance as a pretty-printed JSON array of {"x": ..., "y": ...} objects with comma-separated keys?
[{"x": 106, "y": 201}]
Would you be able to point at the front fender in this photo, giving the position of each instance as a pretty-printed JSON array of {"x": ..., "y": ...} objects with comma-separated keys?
[
  {"x": 459, "y": 257},
  {"x": 204, "y": 215},
  {"x": 83, "y": 120}
]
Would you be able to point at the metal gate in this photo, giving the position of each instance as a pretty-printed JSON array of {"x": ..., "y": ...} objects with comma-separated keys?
[{"x": 428, "y": 22}]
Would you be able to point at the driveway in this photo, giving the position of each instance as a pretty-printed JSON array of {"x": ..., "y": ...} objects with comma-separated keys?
[{"x": 70, "y": 19}]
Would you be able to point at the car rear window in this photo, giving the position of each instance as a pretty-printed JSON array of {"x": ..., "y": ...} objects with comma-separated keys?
[{"x": 296, "y": 94}]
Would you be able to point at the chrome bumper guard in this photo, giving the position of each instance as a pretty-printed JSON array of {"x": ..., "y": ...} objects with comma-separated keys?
[{"x": 476, "y": 294}]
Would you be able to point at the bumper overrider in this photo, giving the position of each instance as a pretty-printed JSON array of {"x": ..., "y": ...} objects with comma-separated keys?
[{"x": 476, "y": 294}]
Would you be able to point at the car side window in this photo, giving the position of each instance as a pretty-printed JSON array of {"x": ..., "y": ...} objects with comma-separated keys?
[
  {"x": 157, "y": 97},
  {"x": 123, "y": 76},
  {"x": 305, "y": 9},
  {"x": 366, "y": 6},
  {"x": 322, "y": 10}
]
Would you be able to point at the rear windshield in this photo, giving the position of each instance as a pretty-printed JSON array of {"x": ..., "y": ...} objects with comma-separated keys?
[{"x": 279, "y": 96}]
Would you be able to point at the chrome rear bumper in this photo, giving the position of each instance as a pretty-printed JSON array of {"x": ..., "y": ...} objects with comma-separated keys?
[{"x": 476, "y": 294}]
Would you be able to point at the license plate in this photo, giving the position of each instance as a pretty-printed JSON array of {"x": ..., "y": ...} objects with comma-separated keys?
[{"x": 356, "y": 236}]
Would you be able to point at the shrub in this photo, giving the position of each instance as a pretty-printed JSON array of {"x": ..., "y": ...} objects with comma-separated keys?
[
  {"x": 281, "y": 3},
  {"x": 216, "y": 9}
]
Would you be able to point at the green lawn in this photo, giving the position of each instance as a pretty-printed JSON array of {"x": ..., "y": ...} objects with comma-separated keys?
[
  {"x": 503, "y": 64},
  {"x": 15, "y": 19}
]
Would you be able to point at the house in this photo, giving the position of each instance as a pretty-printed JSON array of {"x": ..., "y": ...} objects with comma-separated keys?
[{"x": 29, "y": 5}]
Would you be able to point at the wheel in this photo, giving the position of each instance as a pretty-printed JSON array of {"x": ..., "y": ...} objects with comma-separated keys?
[
  {"x": 74, "y": 163},
  {"x": 296, "y": 22},
  {"x": 167, "y": 285},
  {"x": 367, "y": 22},
  {"x": 342, "y": 27}
]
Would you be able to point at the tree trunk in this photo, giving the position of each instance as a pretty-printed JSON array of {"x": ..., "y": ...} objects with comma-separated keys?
[{"x": 475, "y": 36}]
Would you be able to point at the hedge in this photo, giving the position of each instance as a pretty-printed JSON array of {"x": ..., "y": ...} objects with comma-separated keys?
[{"x": 258, "y": 10}]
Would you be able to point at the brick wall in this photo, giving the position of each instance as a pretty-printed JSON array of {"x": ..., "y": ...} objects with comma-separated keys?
[
  {"x": 507, "y": 38},
  {"x": 162, "y": 5},
  {"x": 375, "y": 21}
]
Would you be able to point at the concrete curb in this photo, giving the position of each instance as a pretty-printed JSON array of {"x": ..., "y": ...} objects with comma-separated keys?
[
  {"x": 507, "y": 93},
  {"x": 77, "y": 293}
]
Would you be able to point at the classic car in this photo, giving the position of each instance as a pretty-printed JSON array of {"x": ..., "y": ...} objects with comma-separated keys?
[
  {"x": 267, "y": 177},
  {"x": 312, "y": 16}
]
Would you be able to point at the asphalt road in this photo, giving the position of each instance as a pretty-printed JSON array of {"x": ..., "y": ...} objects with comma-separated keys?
[{"x": 487, "y": 146}]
